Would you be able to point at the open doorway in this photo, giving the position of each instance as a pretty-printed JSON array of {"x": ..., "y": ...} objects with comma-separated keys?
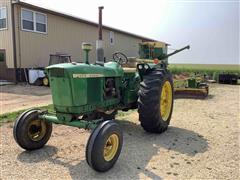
[{"x": 3, "y": 65}]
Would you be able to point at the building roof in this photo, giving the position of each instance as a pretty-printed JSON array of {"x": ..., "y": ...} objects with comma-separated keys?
[{"x": 57, "y": 13}]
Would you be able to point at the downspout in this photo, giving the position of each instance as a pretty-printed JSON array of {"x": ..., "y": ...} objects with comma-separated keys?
[
  {"x": 14, "y": 42},
  {"x": 19, "y": 44}
]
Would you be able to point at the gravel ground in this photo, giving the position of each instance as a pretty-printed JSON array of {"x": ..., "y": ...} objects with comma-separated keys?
[
  {"x": 21, "y": 96},
  {"x": 201, "y": 143}
]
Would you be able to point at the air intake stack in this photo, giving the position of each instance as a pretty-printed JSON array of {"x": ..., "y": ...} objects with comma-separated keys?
[{"x": 99, "y": 42}]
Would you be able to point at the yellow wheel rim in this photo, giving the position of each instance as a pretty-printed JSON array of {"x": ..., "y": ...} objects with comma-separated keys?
[
  {"x": 37, "y": 130},
  {"x": 45, "y": 81},
  {"x": 166, "y": 100},
  {"x": 111, "y": 147}
]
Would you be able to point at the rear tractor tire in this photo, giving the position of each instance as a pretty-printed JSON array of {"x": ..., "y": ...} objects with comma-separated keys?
[
  {"x": 30, "y": 132},
  {"x": 155, "y": 102}
]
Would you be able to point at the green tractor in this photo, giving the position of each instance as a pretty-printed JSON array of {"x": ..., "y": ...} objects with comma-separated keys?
[{"x": 89, "y": 95}]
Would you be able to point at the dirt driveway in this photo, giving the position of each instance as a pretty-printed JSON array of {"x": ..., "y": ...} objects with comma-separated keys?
[
  {"x": 18, "y": 97},
  {"x": 202, "y": 142}
]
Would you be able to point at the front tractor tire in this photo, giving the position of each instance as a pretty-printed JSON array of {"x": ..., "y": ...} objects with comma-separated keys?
[
  {"x": 30, "y": 132},
  {"x": 155, "y": 102},
  {"x": 104, "y": 146}
]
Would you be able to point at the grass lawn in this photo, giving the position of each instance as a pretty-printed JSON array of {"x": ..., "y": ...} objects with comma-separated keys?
[{"x": 9, "y": 117}]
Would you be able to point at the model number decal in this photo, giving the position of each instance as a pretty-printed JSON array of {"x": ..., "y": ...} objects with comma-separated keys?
[{"x": 87, "y": 75}]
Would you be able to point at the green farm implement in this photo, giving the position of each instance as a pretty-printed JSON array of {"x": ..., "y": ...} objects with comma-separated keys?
[
  {"x": 193, "y": 87},
  {"x": 89, "y": 95}
]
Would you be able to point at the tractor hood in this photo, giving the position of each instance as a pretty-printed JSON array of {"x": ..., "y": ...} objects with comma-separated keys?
[
  {"x": 82, "y": 70},
  {"x": 75, "y": 85}
]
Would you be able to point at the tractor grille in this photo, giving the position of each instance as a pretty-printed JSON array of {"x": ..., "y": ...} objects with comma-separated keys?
[{"x": 58, "y": 72}]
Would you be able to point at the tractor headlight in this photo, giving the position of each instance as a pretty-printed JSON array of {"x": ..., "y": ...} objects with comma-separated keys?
[
  {"x": 140, "y": 67},
  {"x": 86, "y": 46},
  {"x": 146, "y": 66}
]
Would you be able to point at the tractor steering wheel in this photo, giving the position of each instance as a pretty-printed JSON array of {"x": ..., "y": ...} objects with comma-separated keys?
[{"x": 120, "y": 58}]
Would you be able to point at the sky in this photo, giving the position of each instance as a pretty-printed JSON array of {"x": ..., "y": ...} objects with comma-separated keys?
[{"x": 210, "y": 27}]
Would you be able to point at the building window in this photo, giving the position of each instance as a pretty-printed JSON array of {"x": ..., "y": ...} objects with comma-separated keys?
[
  {"x": 27, "y": 20},
  {"x": 41, "y": 22},
  {"x": 111, "y": 38},
  {"x": 3, "y": 18},
  {"x": 2, "y": 55},
  {"x": 34, "y": 21}
]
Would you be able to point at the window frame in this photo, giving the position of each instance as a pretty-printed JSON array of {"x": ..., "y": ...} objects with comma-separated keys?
[
  {"x": 34, "y": 21},
  {"x": 112, "y": 37},
  {"x": 5, "y": 7},
  {"x": 23, "y": 9}
]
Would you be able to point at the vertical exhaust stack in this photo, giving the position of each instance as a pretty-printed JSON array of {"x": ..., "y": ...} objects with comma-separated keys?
[{"x": 99, "y": 42}]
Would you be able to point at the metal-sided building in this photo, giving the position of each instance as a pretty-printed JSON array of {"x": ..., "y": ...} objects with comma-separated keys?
[{"x": 29, "y": 34}]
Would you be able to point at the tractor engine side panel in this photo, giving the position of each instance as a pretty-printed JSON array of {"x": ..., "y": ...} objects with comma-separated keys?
[
  {"x": 86, "y": 90},
  {"x": 130, "y": 85},
  {"x": 61, "y": 87}
]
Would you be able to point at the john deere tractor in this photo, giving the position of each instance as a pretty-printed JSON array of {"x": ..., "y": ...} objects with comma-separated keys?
[{"x": 89, "y": 95}]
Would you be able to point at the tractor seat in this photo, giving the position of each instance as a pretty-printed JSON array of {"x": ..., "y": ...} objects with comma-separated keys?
[
  {"x": 130, "y": 67},
  {"x": 129, "y": 70}
]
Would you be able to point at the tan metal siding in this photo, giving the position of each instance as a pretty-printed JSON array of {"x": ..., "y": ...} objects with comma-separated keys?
[
  {"x": 65, "y": 35},
  {"x": 6, "y": 40},
  {"x": 126, "y": 44}
]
